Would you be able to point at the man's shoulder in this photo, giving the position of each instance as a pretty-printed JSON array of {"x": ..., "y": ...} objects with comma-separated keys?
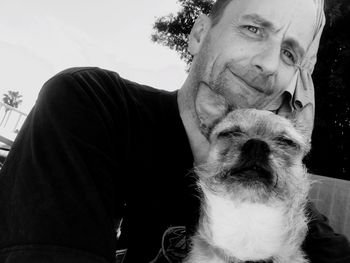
[
  {"x": 89, "y": 76},
  {"x": 77, "y": 70},
  {"x": 105, "y": 77},
  {"x": 115, "y": 93}
]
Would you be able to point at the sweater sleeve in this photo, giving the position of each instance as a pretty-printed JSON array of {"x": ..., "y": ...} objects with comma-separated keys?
[
  {"x": 322, "y": 244},
  {"x": 61, "y": 189}
]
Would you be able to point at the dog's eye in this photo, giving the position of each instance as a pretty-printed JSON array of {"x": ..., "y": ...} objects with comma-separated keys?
[
  {"x": 230, "y": 133},
  {"x": 286, "y": 141}
]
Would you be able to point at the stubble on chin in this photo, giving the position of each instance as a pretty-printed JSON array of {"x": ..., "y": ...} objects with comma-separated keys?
[{"x": 243, "y": 87}]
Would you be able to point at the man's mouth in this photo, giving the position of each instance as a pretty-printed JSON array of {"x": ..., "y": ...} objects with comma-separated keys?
[{"x": 246, "y": 84}]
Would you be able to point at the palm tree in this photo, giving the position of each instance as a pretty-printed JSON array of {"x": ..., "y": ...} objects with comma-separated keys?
[{"x": 12, "y": 98}]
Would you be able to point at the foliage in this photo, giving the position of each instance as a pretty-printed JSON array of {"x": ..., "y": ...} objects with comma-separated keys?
[
  {"x": 173, "y": 31},
  {"x": 12, "y": 98},
  {"x": 331, "y": 138}
]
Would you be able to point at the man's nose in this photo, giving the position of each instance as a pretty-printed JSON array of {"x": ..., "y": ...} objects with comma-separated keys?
[{"x": 267, "y": 59}]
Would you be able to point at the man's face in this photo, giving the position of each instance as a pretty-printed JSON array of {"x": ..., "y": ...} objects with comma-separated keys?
[{"x": 250, "y": 56}]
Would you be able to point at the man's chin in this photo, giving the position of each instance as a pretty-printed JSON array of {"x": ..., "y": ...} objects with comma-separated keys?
[
  {"x": 240, "y": 94},
  {"x": 239, "y": 97},
  {"x": 242, "y": 97}
]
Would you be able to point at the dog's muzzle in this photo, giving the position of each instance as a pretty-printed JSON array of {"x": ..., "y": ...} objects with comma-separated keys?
[{"x": 253, "y": 164}]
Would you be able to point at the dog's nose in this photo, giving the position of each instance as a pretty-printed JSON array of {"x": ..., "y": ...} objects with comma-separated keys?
[{"x": 256, "y": 149}]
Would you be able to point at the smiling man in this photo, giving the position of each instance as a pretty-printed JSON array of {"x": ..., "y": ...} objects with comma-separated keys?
[
  {"x": 251, "y": 54},
  {"x": 97, "y": 148}
]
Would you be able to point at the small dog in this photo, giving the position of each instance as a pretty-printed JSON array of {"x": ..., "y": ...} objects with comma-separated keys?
[{"x": 254, "y": 189}]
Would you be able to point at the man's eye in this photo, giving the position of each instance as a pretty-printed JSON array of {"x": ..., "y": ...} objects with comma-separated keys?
[
  {"x": 253, "y": 29},
  {"x": 289, "y": 56}
]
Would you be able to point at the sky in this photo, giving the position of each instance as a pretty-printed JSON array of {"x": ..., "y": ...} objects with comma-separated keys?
[{"x": 39, "y": 38}]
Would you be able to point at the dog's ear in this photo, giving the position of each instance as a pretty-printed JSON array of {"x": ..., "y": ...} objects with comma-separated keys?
[
  {"x": 303, "y": 120},
  {"x": 211, "y": 107}
]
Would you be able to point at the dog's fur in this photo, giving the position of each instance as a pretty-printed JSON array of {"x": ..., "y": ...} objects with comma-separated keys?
[{"x": 254, "y": 189}]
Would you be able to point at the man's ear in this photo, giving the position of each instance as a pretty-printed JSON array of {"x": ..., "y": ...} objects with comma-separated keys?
[
  {"x": 303, "y": 120},
  {"x": 210, "y": 108},
  {"x": 198, "y": 33}
]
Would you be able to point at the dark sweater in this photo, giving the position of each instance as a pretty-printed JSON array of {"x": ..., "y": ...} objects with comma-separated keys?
[{"x": 97, "y": 148}]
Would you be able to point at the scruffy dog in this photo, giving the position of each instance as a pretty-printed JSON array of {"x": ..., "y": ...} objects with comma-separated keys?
[{"x": 254, "y": 189}]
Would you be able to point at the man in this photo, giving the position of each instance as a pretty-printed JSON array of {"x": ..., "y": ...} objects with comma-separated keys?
[{"x": 97, "y": 148}]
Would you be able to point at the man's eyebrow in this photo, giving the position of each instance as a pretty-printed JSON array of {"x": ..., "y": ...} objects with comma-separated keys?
[{"x": 260, "y": 20}]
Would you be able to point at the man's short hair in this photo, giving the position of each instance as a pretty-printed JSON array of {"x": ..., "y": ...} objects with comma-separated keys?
[{"x": 218, "y": 10}]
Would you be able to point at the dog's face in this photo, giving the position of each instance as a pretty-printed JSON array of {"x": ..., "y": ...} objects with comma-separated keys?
[{"x": 256, "y": 156}]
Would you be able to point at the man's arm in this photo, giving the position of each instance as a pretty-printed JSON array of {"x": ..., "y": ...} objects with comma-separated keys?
[{"x": 59, "y": 188}]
